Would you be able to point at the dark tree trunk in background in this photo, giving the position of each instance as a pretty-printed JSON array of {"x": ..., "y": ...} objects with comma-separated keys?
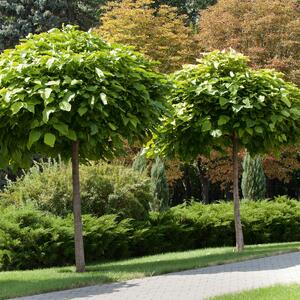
[
  {"x": 79, "y": 248},
  {"x": 204, "y": 188},
  {"x": 236, "y": 198},
  {"x": 204, "y": 182}
]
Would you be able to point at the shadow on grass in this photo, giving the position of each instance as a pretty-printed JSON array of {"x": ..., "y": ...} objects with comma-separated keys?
[{"x": 172, "y": 265}]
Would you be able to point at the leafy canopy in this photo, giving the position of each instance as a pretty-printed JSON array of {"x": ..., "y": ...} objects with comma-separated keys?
[
  {"x": 68, "y": 85},
  {"x": 222, "y": 96}
]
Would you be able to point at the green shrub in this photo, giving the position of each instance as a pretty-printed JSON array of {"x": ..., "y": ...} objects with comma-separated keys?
[
  {"x": 30, "y": 238},
  {"x": 104, "y": 189}
]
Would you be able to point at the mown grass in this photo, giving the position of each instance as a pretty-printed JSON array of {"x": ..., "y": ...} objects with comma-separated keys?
[
  {"x": 21, "y": 283},
  {"x": 277, "y": 292}
]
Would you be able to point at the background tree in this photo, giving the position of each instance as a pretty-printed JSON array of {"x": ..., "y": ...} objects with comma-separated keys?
[
  {"x": 140, "y": 162},
  {"x": 18, "y": 17},
  {"x": 69, "y": 93},
  {"x": 282, "y": 166},
  {"x": 268, "y": 31},
  {"x": 222, "y": 102},
  {"x": 160, "y": 185},
  {"x": 160, "y": 33},
  {"x": 191, "y": 8},
  {"x": 253, "y": 178}
]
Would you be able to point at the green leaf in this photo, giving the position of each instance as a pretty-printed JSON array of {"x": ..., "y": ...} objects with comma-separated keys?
[
  {"x": 249, "y": 130},
  {"x": 206, "y": 125},
  {"x": 50, "y": 62},
  {"x": 100, "y": 73},
  {"x": 82, "y": 110},
  {"x": 75, "y": 81},
  {"x": 286, "y": 101},
  {"x": 216, "y": 133},
  {"x": 34, "y": 136},
  {"x": 46, "y": 93},
  {"x": 112, "y": 126},
  {"x": 285, "y": 113},
  {"x": 72, "y": 135},
  {"x": 223, "y": 120},
  {"x": 64, "y": 105},
  {"x": 103, "y": 98},
  {"x": 94, "y": 129},
  {"x": 53, "y": 82},
  {"x": 223, "y": 101},
  {"x": 259, "y": 129},
  {"x": 15, "y": 108},
  {"x": 46, "y": 113},
  {"x": 61, "y": 128},
  {"x": 49, "y": 139},
  {"x": 69, "y": 97}
]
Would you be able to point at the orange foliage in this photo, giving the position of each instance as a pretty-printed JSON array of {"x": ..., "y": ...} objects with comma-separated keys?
[
  {"x": 160, "y": 33},
  {"x": 266, "y": 30},
  {"x": 219, "y": 168},
  {"x": 282, "y": 168}
]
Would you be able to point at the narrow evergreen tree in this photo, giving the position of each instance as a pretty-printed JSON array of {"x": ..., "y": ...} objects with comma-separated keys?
[
  {"x": 253, "y": 178},
  {"x": 160, "y": 185},
  {"x": 140, "y": 162}
]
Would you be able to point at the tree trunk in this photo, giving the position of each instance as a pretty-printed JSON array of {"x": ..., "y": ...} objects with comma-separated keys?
[
  {"x": 236, "y": 199},
  {"x": 79, "y": 249},
  {"x": 204, "y": 188},
  {"x": 204, "y": 182}
]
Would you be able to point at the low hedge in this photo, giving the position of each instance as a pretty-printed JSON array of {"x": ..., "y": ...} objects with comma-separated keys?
[{"x": 30, "y": 238}]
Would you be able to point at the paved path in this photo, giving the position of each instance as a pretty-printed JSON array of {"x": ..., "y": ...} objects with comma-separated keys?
[{"x": 193, "y": 284}]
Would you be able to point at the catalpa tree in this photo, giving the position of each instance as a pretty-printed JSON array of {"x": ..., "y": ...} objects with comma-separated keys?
[
  {"x": 67, "y": 92},
  {"x": 221, "y": 103}
]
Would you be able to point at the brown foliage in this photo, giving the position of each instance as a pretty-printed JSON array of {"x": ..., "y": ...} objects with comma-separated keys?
[
  {"x": 282, "y": 167},
  {"x": 218, "y": 167},
  {"x": 266, "y": 30}
]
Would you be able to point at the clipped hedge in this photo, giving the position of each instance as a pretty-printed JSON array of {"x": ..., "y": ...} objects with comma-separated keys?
[
  {"x": 105, "y": 189},
  {"x": 30, "y": 238}
]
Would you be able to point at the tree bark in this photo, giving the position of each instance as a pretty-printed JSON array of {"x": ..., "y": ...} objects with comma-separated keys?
[
  {"x": 236, "y": 198},
  {"x": 204, "y": 188},
  {"x": 79, "y": 248},
  {"x": 204, "y": 182}
]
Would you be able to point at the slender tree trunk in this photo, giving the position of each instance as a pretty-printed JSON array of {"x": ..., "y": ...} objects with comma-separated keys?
[
  {"x": 79, "y": 249},
  {"x": 236, "y": 198},
  {"x": 204, "y": 188},
  {"x": 204, "y": 182}
]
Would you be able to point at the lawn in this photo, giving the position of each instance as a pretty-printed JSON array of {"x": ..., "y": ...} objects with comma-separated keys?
[
  {"x": 277, "y": 292},
  {"x": 21, "y": 283}
]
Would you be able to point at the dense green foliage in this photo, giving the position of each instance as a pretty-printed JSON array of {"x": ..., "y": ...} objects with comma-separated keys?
[
  {"x": 223, "y": 96},
  {"x": 253, "y": 178},
  {"x": 105, "y": 189},
  {"x": 30, "y": 238},
  {"x": 68, "y": 85},
  {"x": 19, "y": 18}
]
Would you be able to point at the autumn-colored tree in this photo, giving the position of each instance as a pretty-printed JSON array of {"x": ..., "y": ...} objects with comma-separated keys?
[
  {"x": 160, "y": 33},
  {"x": 218, "y": 167},
  {"x": 266, "y": 30},
  {"x": 283, "y": 166}
]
